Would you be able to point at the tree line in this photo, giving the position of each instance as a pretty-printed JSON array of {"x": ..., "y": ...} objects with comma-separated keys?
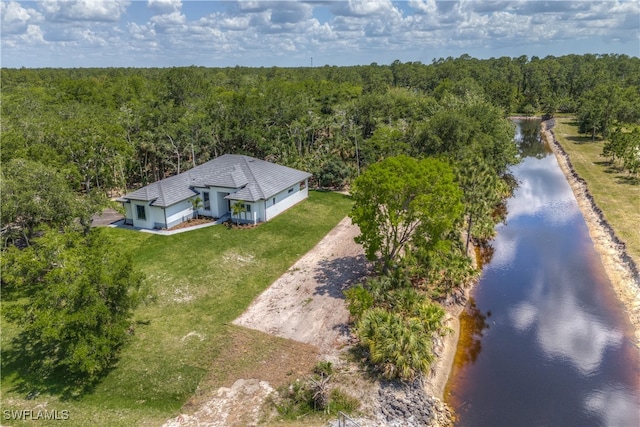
[
  {"x": 115, "y": 129},
  {"x": 424, "y": 148}
]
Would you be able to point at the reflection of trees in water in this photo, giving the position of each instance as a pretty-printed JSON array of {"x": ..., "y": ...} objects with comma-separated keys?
[
  {"x": 529, "y": 141},
  {"x": 484, "y": 253},
  {"x": 472, "y": 326}
]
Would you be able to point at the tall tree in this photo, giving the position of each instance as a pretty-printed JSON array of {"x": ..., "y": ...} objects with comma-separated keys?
[
  {"x": 481, "y": 192},
  {"x": 83, "y": 292},
  {"x": 34, "y": 195},
  {"x": 403, "y": 203}
]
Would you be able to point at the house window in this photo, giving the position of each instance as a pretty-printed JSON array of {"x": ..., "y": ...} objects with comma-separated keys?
[
  {"x": 207, "y": 203},
  {"x": 142, "y": 213},
  {"x": 247, "y": 208},
  {"x": 274, "y": 200},
  {"x": 290, "y": 190}
]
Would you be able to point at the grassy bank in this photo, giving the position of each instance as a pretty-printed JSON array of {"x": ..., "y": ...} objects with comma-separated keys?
[
  {"x": 200, "y": 282},
  {"x": 615, "y": 192}
]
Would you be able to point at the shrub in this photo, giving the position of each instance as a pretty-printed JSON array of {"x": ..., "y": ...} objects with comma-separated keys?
[
  {"x": 358, "y": 301},
  {"x": 323, "y": 368},
  {"x": 339, "y": 401},
  {"x": 313, "y": 396},
  {"x": 399, "y": 346}
]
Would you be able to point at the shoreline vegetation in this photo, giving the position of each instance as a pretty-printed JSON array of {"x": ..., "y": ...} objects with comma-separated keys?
[{"x": 620, "y": 267}]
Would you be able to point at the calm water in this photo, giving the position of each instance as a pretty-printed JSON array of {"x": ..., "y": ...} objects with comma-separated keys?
[{"x": 544, "y": 342}]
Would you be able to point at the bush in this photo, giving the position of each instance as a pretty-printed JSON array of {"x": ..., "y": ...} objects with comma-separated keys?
[
  {"x": 294, "y": 400},
  {"x": 339, "y": 401},
  {"x": 400, "y": 346},
  {"x": 79, "y": 314},
  {"x": 314, "y": 396},
  {"x": 323, "y": 368},
  {"x": 358, "y": 301}
]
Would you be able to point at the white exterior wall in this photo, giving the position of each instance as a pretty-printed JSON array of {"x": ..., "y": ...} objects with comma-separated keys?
[
  {"x": 156, "y": 218},
  {"x": 261, "y": 211},
  {"x": 249, "y": 217},
  {"x": 127, "y": 213},
  {"x": 284, "y": 200},
  {"x": 218, "y": 205},
  {"x": 178, "y": 213},
  {"x": 148, "y": 223}
]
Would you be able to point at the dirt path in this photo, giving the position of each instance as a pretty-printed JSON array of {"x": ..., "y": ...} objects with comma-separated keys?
[{"x": 306, "y": 303}]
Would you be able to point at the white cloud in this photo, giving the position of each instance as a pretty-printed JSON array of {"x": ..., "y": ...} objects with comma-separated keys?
[
  {"x": 424, "y": 6},
  {"x": 371, "y": 7},
  {"x": 169, "y": 19},
  {"x": 84, "y": 10},
  {"x": 31, "y": 37},
  {"x": 16, "y": 19},
  {"x": 563, "y": 328},
  {"x": 546, "y": 194},
  {"x": 342, "y": 33},
  {"x": 165, "y": 6}
]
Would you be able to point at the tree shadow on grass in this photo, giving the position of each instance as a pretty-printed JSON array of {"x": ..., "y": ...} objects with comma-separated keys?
[
  {"x": 628, "y": 179},
  {"x": 337, "y": 275},
  {"x": 23, "y": 363},
  {"x": 621, "y": 178},
  {"x": 608, "y": 166},
  {"x": 582, "y": 140}
]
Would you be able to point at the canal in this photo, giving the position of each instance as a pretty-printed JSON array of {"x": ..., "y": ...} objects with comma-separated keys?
[{"x": 544, "y": 340}]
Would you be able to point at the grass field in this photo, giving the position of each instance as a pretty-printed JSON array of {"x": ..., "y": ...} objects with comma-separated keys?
[
  {"x": 200, "y": 280},
  {"x": 615, "y": 192}
]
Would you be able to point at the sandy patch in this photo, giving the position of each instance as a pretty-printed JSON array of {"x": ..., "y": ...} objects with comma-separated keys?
[
  {"x": 306, "y": 303},
  {"x": 223, "y": 409}
]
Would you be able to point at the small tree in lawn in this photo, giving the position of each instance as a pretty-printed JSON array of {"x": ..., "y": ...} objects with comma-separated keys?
[
  {"x": 237, "y": 209},
  {"x": 196, "y": 203}
]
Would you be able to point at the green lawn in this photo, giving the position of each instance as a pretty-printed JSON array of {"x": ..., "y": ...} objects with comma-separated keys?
[
  {"x": 200, "y": 281},
  {"x": 615, "y": 192}
]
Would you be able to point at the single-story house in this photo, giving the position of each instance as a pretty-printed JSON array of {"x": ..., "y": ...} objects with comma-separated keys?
[{"x": 263, "y": 189}]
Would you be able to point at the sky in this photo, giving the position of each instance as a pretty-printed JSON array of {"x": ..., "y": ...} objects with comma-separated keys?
[{"x": 300, "y": 33}]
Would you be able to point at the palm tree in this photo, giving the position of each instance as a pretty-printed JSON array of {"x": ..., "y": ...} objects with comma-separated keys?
[
  {"x": 237, "y": 209},
  {"x": 401, "y": 347},
  {"x": 196, "y": 203},
  {"x": 320, "y": 388}
]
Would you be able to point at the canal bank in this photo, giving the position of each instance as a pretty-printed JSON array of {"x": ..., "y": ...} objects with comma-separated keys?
[
  {"x": 545, "y": 339},
  {"x": 620, "y": 268}
]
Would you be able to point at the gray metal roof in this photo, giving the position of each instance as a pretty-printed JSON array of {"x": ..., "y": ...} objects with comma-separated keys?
[{"x": 253, "y": 178}]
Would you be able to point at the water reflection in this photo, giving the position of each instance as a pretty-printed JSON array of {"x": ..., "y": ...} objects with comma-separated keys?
[
  {"x": 472, "y": 326},
  {"x": 544, "y": 192},
  {"x": 528, "y": 139},
  {"x": 562, "y": 327},
  {"x": 615, "y": 406},
  {"x": 556, "y": 352}
]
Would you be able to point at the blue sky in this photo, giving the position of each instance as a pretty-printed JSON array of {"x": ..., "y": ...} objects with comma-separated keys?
[{"x": 164, "y": 33}]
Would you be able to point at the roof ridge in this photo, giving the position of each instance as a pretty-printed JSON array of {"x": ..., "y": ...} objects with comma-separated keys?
[{"x": 253, "y": 180}]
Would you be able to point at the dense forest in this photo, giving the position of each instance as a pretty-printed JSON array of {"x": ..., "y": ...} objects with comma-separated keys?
[
  {"x": 73, "y": 137},
  {"x": 115, "y": 129}
]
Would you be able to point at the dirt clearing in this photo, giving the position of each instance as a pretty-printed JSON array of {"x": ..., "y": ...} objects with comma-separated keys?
[
  {"x": 307, "y": 303},
  {"x": 305, "y": 306}
]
